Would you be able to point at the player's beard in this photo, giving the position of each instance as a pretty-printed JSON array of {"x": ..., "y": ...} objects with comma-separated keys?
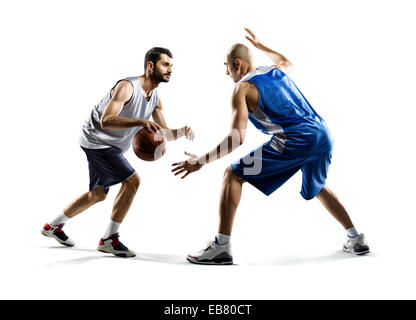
[{"x": 158, "y": 76}]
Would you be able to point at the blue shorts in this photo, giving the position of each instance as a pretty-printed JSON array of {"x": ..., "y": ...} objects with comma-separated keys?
[
  {"x": 107, "y": 167},
  {"x": 267, "y": 170}
]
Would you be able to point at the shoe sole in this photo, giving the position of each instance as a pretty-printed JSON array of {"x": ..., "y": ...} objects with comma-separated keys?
[
  {"x": 220, "y": 263},
  {"x": 356, "y": 253},
  {"x": 117, "y": 253},
  {"x": 49, "y": 235}
]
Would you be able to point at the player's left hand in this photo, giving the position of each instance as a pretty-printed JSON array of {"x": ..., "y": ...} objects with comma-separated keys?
[
  {"x": 253, "y": 38},
  {"x": 189, "y": 133},
  {"x": 187, "y": 166}
]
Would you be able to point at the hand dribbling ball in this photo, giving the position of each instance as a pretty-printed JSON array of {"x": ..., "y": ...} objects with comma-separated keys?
[{"x": 149, "y": 146}]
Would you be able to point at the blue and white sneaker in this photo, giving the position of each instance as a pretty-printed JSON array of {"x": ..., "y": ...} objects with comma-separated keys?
[
  {"x": 357, "y": 245},
  {"x": 213, "y": 254}
]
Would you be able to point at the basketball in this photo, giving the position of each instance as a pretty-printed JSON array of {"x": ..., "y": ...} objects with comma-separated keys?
[{"x": 148, "y": 147}]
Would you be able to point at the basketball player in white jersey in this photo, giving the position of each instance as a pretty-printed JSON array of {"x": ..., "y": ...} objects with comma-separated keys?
[
  {"x": 300, "y": 140},
  {"x": 106, "y": 135}
]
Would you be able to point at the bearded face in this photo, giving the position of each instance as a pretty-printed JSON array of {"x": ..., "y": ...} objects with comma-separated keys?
[
  {"x": 162, "y": 70},
  {"x": 159, "y": 75}
]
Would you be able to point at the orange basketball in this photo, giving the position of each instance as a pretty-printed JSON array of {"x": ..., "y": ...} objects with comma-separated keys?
[{"x": 147, "y": 147}]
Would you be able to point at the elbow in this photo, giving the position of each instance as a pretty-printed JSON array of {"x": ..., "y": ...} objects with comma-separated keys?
[
  {"x": 104, "y": 123},
  {"x": 108, "y": 122}
]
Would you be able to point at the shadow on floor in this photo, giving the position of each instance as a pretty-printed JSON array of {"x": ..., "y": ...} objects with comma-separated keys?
[
  {"x": 181, "y": 260},
  {"x": 150, "y": 257},
  {"x": 302, "y": 260}
]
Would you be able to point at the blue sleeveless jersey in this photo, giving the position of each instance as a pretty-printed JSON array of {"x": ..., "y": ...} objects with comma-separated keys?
[{"x": 284, "y": 112}]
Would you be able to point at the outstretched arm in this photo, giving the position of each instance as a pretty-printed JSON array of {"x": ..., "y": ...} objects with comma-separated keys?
[
  {"x": 280, "y": 60},
  {"x": 231, "y": 141},
  {"x": 170, "y": 134},
  {"x": 236, "y": 135}
]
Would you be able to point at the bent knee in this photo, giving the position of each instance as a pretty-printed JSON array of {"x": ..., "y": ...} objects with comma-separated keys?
[
  {"x": 133, "y": 182},
  {"x": 97, "y": 194},
  {"x": 229, "y": 175},
  {"x": 325, "y": 192}
]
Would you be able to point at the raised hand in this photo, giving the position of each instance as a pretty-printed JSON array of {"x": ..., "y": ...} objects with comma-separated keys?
[{"x": 253, "y": 38}]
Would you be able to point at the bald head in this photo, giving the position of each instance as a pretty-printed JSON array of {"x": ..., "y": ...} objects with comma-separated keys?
[
  {"x": 239, "y": 62},
  {"x": 240, "y": 51}
]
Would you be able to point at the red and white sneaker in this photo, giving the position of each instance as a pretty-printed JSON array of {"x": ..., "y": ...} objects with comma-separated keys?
[
  {"x": 58, "y": 234},
  {"x": 114, "y": 246}
]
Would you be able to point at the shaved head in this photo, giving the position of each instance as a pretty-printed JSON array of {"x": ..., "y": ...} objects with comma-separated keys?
[
  {"x": 240, "y": 51},
  {"x": 238, "y": 62}
]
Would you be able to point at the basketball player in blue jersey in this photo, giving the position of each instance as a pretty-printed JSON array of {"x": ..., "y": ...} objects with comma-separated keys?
[
  {"x": 106, "y": 135},
  {"x": 300, "y": 141}
]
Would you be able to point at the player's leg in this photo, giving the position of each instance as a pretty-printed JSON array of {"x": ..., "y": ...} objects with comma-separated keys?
[
  {"x": 314, "y": 185},
  {"x": 85, "y": 201},
  {"x": 219, "y": 251},
  {"x": 96, "y": 194},
  {"x": 265, "y": 169},
  {"x": 230, "y": 198},
  {"x": 109, "y": 243},
  {"x": 125, "y": 198},
  {"x": 231, "y": 195},
  {"x": 331, "y": 202},
  {"x": 356, "y": 242},
  {"x": 54, "y": 230}
]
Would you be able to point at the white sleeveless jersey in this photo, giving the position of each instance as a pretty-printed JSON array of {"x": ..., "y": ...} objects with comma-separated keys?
[{"x": 94, "y": 137}]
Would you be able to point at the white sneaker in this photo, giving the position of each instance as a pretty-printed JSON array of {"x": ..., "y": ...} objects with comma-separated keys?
[
  {"x": 213, "y": 254},
  {"x": 356, "y": 245}
]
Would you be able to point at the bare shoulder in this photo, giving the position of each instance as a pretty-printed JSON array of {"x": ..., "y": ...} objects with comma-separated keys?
[
  {"x": 124, "y": 85},
  {"x": 243, "y": 88},
  {"x": 245, "y": 93},
  {"x": 123, "y": 90}
]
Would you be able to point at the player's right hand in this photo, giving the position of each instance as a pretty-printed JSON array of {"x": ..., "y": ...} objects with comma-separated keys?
[
  {"x": 150, "y": 125},
  {"x": 187, "y": 166}
]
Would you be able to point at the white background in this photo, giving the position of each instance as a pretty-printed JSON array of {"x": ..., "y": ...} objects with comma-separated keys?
[{"x": 354, "y": 61}]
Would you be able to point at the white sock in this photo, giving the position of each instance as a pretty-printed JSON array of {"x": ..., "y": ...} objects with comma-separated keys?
[
  {"x": 352, "y": 233},
  {"x": 112, "y": 228},
  {"x": 223, "y": 239},
  {"x": 62, "y": 218}
]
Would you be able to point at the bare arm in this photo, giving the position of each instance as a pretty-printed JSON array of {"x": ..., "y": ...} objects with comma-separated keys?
[
  {"x": 170, "y": 134},
  {"x": 280, "y": 60},
  {"x": 236, "y": 135},
  {"x": 110, "y": 118},
  {"x": 231, "y": 141}
]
